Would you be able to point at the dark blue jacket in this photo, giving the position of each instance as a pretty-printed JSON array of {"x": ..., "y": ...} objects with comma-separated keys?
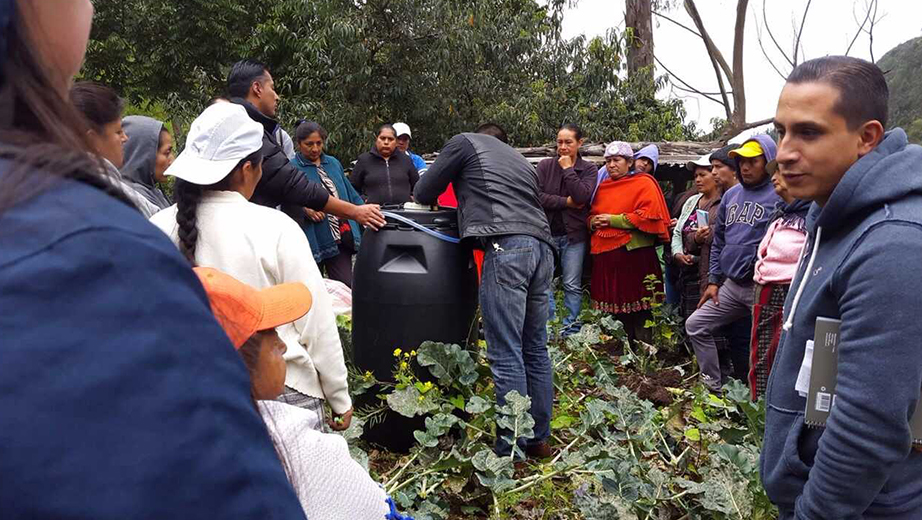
[
  {"x": 866, "y": 243},
  {"x": 120, "y": 396},
  {"x": 318, "y": 233},
  {"x": 742, "y": 220}
]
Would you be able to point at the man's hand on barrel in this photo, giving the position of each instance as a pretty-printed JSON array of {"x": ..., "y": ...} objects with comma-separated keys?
[
  {"x": 369, "y": 215},
  {"x": 341, "y": 422}
]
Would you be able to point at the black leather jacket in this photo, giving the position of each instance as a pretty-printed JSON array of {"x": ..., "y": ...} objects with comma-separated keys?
[
  {"x": 497, "y": 188},
  {"x": 282, "y": 184}
]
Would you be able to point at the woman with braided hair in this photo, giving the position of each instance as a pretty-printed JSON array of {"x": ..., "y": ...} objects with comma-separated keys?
[
  {"x": 120, "y": 395},
  {"x": 214, "y": 225}
]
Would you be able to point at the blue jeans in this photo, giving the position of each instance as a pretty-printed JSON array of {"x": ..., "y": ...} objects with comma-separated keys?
[
  {"x": 572, "y": 256},
  {"x": 517, "y": 271}
]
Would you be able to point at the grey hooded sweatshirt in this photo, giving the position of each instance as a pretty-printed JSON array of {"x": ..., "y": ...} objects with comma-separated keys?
[
  {"x": 860, "y": 265},
  {"x": 141, "y": 157}
]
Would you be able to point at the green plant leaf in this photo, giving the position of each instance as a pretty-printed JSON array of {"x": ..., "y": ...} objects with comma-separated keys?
[
  {"x": 515, "y": 416},
  {"x": 436, "y": 426},
  {"x": 693, "y": 434},
  {"x": 595, "y": 413},
  {"x": 457, "y": 401},
  {"x": 448, "y": 363},
  {"x": 477, "y": 405},
  {"x": 589, "y": 334},
  {"x": 613, "y": 327},
  {"x": 409, "y": 402},
  {"x": 698, "y": 413},
  {"x": 722, "y": 491},
  {"x": 562, "y": 421},
  {"x": 493, "y": 471}
]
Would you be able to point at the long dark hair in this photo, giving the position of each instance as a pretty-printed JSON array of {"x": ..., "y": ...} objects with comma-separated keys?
[
  {"x": 41, "y": 133},
  {"x": 99, "y": 104},
  {"x": 188, "y": 196}
]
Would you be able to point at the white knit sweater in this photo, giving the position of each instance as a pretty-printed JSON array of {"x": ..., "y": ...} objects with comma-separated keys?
[
  {"x": 328, "y": 482},
  {"x": 264, "y": 247}
]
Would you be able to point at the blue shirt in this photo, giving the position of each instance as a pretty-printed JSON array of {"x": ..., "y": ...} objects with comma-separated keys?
[
  {"x": 419, "y": 162},
  {"x": 120, "y": 395}
]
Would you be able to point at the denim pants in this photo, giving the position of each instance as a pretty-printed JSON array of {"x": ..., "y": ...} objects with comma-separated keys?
[
  {"x": 572, "y": 256},
  {"x": 517, "y": 272}
]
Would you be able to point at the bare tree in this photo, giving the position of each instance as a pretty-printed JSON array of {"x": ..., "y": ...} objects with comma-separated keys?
[
  {"x": 730, "y": 80},
  {"x": 865, "y": 26},
  {"x": 735, "y": 110}
]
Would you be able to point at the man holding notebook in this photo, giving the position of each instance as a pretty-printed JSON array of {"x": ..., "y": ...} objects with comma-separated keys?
[{"x": 859, "y": 266}]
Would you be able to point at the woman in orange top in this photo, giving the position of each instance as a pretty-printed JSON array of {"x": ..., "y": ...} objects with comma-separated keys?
[{"x": 627, "y": 218}]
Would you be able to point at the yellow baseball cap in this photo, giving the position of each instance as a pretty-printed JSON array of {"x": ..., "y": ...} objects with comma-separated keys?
[{"x": 749, "y": 149}]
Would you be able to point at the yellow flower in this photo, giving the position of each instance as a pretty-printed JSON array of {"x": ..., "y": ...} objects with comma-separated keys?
[
  {"x": 368, "y": 374},
  {"x": 421, "y": 398},
  {"x": 397, "y": 352},
  {"x": 403, "y": 365},
  {"x": 413, "y": 353}
]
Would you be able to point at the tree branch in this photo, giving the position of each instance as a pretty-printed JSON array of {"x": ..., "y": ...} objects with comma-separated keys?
[
  {"x": 772, "y": 36},
  {"x": 860, "y": 28},
  {"x": 755, "y": 124},
  {"x": 687, "y": 28},
  {"x": 712, "y": 49},
  {"x": 733, "y": 130},
  {"x": 696, "y": 92},
  {"x": 765, "y": 53},
  {"x": 689, "y": 87},
  {"x": 871, "y": 31},
  {"x": 717, "y": 59},
  {"x": 803, "y": 21}
]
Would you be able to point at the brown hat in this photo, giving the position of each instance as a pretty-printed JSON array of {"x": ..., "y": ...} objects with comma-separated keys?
[{"x": 243, "y": 311}]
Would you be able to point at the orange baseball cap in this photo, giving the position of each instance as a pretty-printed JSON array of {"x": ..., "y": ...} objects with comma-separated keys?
[{"x": 243, "y": 311}]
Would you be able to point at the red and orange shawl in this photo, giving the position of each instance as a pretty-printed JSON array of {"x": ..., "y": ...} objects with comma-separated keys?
[{"x": 637, "y": 196}]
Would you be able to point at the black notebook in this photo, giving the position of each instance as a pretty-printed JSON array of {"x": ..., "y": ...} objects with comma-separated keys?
[{"x": 821, "y": 397}]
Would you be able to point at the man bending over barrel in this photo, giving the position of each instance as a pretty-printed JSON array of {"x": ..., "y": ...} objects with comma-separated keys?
[{"x": 499, "y": 210}]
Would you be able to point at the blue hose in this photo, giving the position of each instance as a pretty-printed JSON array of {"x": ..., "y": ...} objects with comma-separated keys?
[{"x": 413, "y": 224}]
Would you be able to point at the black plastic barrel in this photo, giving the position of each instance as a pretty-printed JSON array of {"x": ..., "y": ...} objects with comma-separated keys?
[{"x": 408, "y": 287}]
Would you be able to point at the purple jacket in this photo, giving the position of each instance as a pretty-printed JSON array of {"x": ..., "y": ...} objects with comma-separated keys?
[
  {"x": 742, "y": 220},
  {"x": 556, "y": 184}
]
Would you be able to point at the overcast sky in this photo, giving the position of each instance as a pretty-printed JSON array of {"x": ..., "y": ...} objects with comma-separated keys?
[{"x": 829, "y": 28}]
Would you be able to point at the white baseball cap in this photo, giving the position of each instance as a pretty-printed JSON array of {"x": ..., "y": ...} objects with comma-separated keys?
[
  {"x": 703, "y": 161},
  {"x": 403, "y": 129},
  {"x": 220, "y": 137}
]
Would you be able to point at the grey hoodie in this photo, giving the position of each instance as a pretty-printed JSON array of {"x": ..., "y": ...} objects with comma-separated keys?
[
  {"x": 146, "y": 207},
  {"x": 860, "y": 265},
  {"x": 141, "y": 156}
]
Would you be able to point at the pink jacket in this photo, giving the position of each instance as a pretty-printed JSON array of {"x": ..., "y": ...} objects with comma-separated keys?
[{"x": 779, "y": 251}]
